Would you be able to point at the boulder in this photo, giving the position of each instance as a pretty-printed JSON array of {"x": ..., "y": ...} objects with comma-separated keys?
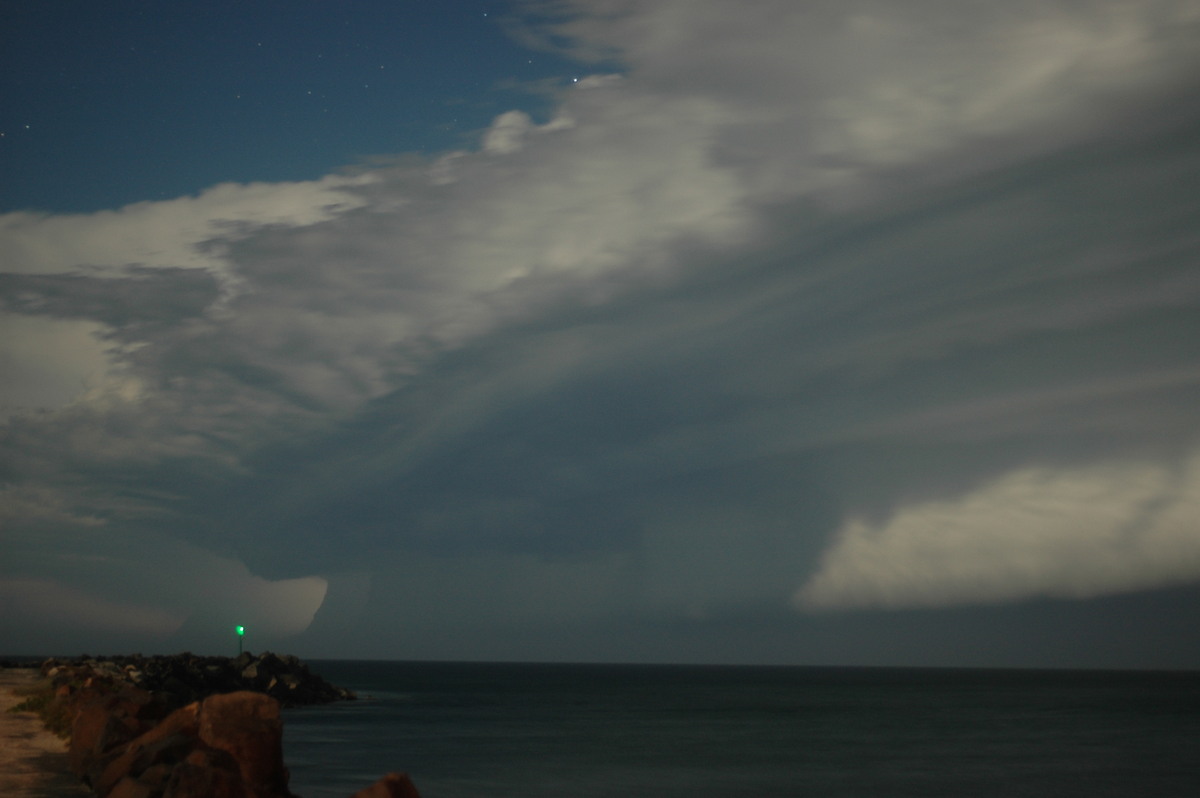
[
  {"x": 247, "y": 726},
  {"x": 185, "y": 720},
  {"x": 145, "y": 752},
  {"x": 156, "y": 777},
  {"x": 105, "y": 722},
  {"x": 131, "y": 788},
  {"x": 190, "y": 780},
  {"x": 94, "y": 731},
  {"x": 135, "y": 760}
]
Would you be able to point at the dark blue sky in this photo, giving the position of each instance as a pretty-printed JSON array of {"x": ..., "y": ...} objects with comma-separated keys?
[
  {"x": 110, "y": 103},
  {"x": 825, "y": 332}
]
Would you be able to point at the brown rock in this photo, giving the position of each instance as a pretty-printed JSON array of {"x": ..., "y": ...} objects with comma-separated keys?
[
  {"x": 213, "y": 758},
  {"x": 95, "y": 730},
  {"x": 137, "y": 758},
  {"x": 156, "y": 777},
  {"x": 130, "y": 788},
  {"x": 106, "y": 721},
  {"x": 134, "y": 702},
  {"x": 393, "y": 785},
  {"x": 167, "y": 743},
  {"x": 200, "y": 781},
  {"x": 247, "y": 726},
  {"x": 87, "y": 727},
  {"x": 184, "y": 720}
]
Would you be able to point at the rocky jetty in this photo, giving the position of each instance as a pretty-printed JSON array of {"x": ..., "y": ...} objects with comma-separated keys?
[
  {"x": 184, "y": 678},
  {"x": 184, "y": 726}
]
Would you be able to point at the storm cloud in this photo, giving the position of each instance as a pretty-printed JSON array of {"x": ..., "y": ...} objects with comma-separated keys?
[{"x": 806, "y": 308}]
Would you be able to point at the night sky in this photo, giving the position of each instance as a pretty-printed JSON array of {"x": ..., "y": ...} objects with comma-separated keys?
[{"x": 851, "y": 332}]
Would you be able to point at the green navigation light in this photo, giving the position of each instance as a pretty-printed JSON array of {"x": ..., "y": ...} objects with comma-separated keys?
[{"x": 241, "y": 630}]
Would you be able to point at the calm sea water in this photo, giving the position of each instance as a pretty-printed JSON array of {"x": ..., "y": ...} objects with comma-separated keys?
[{"x": 470, "y": 730}]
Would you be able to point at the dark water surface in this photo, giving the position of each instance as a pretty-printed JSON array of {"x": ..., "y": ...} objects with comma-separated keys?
[{"x": 473, "y": 730}]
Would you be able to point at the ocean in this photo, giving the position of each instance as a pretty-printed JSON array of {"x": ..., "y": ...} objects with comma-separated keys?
[{"x": 475, "y": 730}]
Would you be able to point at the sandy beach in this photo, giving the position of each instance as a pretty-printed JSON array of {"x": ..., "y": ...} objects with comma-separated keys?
[{"x": 33, "y": 761}]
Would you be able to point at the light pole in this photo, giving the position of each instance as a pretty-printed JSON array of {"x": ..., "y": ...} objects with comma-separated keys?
[{"x": 241, "y": 632}]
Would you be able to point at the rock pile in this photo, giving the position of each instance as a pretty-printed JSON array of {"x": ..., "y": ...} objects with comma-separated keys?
[
  {"x": 186, "y": 726},
  {"x": 184, "y": 678}
]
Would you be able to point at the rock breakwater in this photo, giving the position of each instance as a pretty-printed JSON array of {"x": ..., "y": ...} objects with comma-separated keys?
[
  {"x": 183, "y": 678},
  {"x": 184, "y": 726}
]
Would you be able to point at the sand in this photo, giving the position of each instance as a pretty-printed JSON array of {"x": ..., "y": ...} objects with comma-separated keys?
[{"x": 33, "y": 761}]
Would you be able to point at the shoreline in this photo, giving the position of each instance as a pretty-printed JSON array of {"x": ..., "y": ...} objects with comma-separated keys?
[
  {"x": 33, "y": 760},
  {"x": 183, "y": 724}
]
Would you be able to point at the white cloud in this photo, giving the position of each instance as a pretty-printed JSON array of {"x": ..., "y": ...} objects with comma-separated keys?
[
  {"x": 338, "y": 306},
  {"x": 1037, "y": 531},
  {"x": 184, "y": 233},
  {"x": 48, "y": 362},
  {"x": 818, "y": 97},
  {"x": 507, "y": 133},
  {"x": 171, "y": 233},
  {"x": 720, "y": 110}
]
